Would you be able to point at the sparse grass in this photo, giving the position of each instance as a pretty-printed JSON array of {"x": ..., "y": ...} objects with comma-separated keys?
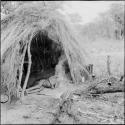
[
  {"x": 98, "y": 51},
  {"x": 105, "y": 109}
]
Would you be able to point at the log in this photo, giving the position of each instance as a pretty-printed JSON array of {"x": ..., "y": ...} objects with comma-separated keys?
[
  {"x": 108, "y": 90},
  {"x": 35, "y": 90},
  {"x": 102, "y": 87},
  {"x": 108, "y": 87}
]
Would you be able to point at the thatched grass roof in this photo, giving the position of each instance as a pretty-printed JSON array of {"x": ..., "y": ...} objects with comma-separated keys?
[
  {"x": 18, "y": 29},
  {"x": 2, "y": 16}
]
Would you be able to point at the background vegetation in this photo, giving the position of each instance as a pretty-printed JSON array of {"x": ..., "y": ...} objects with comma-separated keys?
[
  {"x": 105, "y": 33},
  {"x": 109, "y": 24}
]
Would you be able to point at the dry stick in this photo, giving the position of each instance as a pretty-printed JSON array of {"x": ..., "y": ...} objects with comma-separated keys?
[
  {"x": 28, "y": 72},
  {"x": 108, "y": 65},
  {"x": 102, "y": 115},
  {"x": 35, "y": 90},
  {"x": 34, "y": 87},
  {"x": 21, "y": 68},
  {"x": 64, "y": 98}
]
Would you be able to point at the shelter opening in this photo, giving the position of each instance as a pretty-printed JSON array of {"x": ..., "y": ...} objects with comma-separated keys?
[{"x": 45, "y": 54}]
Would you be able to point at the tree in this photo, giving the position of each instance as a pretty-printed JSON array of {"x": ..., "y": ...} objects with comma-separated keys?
[
  {"x": 53, "y": 4},
  {"x": 109, "y": 24},
  {"x": 8, "y": 7},
  {"x": 117, "y": 14},
  {"x": 75, "y": 18}
]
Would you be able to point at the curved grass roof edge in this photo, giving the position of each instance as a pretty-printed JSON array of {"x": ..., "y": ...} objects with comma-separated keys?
[{"x": 18, "y": 28}]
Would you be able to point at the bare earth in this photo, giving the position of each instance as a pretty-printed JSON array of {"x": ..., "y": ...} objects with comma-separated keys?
[
  {"x": 105, "y": 109},
  {"x": 40, "y": 109}
]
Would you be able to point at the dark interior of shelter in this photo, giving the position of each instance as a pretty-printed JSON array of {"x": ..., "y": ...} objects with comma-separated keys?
[{"x": 45, "y": 54}]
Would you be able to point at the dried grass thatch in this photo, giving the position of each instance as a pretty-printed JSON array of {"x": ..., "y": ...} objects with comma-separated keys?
[{"x": 19, "y": 28}]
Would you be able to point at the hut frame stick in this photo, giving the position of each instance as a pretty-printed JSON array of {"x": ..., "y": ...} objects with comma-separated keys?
[
  {"x": 47, "y": 26},
  {"x": 28, "y": 72},
  {"x": 21, "y": 68}
]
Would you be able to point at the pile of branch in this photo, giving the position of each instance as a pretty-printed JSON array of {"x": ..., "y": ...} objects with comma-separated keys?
[
  {"x": 106, "y": 86},
  {"x": 98, "y": 87}
]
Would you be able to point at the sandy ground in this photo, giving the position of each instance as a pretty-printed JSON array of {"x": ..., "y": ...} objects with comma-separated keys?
[
  {"x": 33, "y": 107},
  {"x": 39, "y": 109},
  {"x": 107, "y": 109}
]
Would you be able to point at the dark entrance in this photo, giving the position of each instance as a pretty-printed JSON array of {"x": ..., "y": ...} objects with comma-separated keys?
[{"x": 45, "y": 55}]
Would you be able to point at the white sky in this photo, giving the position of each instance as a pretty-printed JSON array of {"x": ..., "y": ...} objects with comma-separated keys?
[{"x": 88, "y": 10}]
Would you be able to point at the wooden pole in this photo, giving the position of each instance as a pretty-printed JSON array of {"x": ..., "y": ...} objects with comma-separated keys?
[
  {"x": 28, "y": 72},
  {"x": 108, "y": 65},
  {"x": 44, "y": 3},
  {"x": 21, "y": 68}
]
